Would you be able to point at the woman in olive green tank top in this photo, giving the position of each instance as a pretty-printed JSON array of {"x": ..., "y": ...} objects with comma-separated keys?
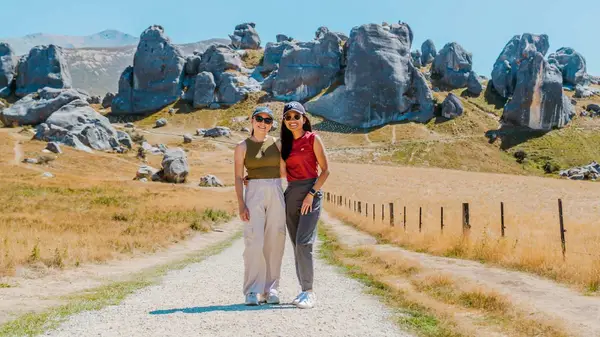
[{"x": 262, "y": 208}]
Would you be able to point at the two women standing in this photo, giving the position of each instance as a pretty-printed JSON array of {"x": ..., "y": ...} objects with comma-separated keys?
[{"x": 297, "y": 156}]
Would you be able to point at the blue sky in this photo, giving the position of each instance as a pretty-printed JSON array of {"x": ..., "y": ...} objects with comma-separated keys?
[{"x": 483, "y": 27}]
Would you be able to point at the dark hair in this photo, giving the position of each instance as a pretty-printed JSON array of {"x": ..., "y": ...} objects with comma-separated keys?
[{"x": 287, "y": 137}]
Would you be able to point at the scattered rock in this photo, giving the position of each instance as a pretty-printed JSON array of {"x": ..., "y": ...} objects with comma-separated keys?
[
  {"x": 453, "y": 65},
  {"x": 538, "y": 101},
  {"x": 474, "y": 87},
  {"x": 245, "y": 36},
  {"x": 124, "y": 139},
  {"x": 204, "y": 90},
  {"x": 192, "y": 64},
  {"x": 53, "y": 147},
  {"x": 129, "y": 125},
  {"x": 588, "y": 172},
  {"x": 245, "y": 129},
  {"x": 7, "y": 69},
  {"x": 77, "y": 124},
  {"x": 155, "y": 80},
  {"x": 572, "y": 65},
  {"x": 187, "y": 138},
  {"x": 583, "y": 92},
  {"x": 30, "y": 161},
  {"x": 144, "y": 180},
  {"x": 219, "y": 131},
  {"x": 172, "y": 111},
  {"x": 145, "y": 172},
  {"x": 175, "y": 166},
  {"x": 37, "y": 107},
  {"x": 161, "y": 122},
  {"x": 452, "y": 107},
  {"x": 520, "y": 155},
  {"x": 428, "y": 52},
  {"x": 107, "y": 100},
  {"x": 210, "y": 180},
  {"x": 94, "y": 100},
  {"x": 47, "y": 175},
  {"x": 381, "y": 83},
  {"x": 44, "y": 66},
  {"x": 506, "y": 67},
  {"x": 593, "y": 107},
  {"x": 200, "y": 132}
]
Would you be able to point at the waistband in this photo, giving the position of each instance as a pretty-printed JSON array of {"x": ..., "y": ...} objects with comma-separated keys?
[
  {"x": 302, "y": 183},
  {"x": 269, "y": 181}
]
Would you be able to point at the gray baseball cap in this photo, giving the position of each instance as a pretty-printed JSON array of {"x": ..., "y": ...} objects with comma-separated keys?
[{"x": 263, "y": 110}]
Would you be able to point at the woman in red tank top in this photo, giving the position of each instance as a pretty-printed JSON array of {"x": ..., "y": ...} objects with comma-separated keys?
[{"x": 303, "y": 153}]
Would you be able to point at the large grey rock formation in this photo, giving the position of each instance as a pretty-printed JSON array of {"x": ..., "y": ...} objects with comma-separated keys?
[
  {"x": 44, "y": 66},
  {"x": 37, "y": 107},
  {"x": 175, "y": 167},
  {"x": 572, "y": 65},
  {"x": 538, "y": 101},
  {"x": 107, "y": 100},
  {"x": 204, "y": 90},
  {"x": 381, "y": 83},
  {"x": 219, "y": 58},
  {"x": 192, "y": 64},
  {"x": 452, "y": 107},
  {"x": 428, "y": 52},
  {"x": 234, "y": 88},
  {"x": 473, "y": 85},
  {"x": 7, "y": 69},
  {"x": 306, "y": 68},
  {"x": 77, "y": 124},
  {"x": 156, "y": 79},
  {"x": 283, "y": 37},
  {"x": 506, "y": 67},
  {"x": 453, "y": 65},
  {"x": 273, "y": 53},
  {"x": 245, "y": 36},
  {"x": 416, "y": 58}
]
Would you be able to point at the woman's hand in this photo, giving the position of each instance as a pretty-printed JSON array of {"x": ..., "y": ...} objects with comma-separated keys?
[
  {"x": 246, "y": 181},
  {"x": 307, "y": 204},
  {"x": 244, "y": 213}
]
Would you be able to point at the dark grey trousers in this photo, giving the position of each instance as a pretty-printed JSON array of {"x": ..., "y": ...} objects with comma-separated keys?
[{"x": 302, "y": 228}]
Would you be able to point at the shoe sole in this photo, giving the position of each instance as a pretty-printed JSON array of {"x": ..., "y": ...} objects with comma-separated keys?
[{"x": 251, "y": 304}]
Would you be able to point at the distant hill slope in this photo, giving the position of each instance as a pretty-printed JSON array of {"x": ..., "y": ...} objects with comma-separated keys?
[{"x": 96, "y": 61}]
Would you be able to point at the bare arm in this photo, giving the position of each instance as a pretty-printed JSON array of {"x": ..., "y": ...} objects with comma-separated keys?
[
  {"x": 323, "y": 161},
  {"x": 239, "y": 154},
  {"x": 282, "y": 167}
]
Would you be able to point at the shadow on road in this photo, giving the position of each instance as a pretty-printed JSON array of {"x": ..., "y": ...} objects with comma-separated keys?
[{"x": 231, "y": 307}]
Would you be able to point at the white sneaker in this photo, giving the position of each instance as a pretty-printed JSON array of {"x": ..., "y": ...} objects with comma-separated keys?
[
  {"x": 272, "y": 297},
  {"x": 307, "y": 301},
  {"x": 298, "y": 298},
  {"x": 252, "y": 299}
]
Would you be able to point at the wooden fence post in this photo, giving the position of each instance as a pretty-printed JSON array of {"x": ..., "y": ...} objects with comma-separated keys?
[
  {"x": 359, "y": 207},
  {"x": 442, "y": 219},
  {"x": 392, "y": 214},
  {"x": 420, "y": 222},
  {"x": 502, "y": 218},
  {"x": 382, "y": 213},
  {"x": 373, "y": 212},
  {"x": 562, "y": 229},
  {"x": 354, "y": 206},
  {"x": 466, "y": 224},
  {"x": 366, "y": 209},
  {"x": 404, "y": 214}
]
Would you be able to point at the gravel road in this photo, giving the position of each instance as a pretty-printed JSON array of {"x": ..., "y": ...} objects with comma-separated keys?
[{"x": 205, "y": 299}]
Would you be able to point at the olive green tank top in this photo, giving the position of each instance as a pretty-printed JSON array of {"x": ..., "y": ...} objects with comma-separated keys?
[{"x": 262, "y": 159}]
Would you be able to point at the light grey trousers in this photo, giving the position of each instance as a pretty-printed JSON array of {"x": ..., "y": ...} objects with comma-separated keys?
[
  {"x": 264, "y": 235},
  {"x": 302, "y": 228}
]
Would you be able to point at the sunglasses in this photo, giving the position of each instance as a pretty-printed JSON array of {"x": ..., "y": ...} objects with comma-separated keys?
[
  {"x": 267, "y": 120},
  {"x": 289, "y": 117}
]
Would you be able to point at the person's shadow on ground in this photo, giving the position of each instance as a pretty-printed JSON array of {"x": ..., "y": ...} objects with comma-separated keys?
[{"x": 231, "y": 307}]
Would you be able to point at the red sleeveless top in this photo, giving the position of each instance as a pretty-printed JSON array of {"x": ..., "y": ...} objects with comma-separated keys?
[{"x": 302, "y": 162}]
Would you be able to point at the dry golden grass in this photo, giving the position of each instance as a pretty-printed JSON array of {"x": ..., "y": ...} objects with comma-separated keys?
[
  {"x": 458, "y": 305},
  {"x": 92, "y": 211}
]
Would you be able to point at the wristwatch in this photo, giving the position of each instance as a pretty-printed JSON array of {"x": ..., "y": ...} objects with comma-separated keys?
[{"x": 312, "y": 191}]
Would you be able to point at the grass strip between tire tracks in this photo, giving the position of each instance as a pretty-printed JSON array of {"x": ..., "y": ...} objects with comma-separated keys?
[{"x": 112, "y": 294}]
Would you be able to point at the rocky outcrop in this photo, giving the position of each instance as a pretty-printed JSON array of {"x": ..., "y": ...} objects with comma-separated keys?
[
  {"x": 156, "y": 78},
  {"x": 245, "y": 36},
  {"x": 234, "y": 88},
  {"x": 273, "y": 53},
  {"x": 381, "y": 83},
  {"x": 192, "y": 64},
  {"x": 7, "y": 69},
  {"x": 219, "y": 58},
  {"x": 428, "y": 52},
  {"x": 37, "y": 107},
  {"x": 204, "y": 90},
  {"x": 77, "y": 124},
  {"x": 453, "y": 66},
  {"x": 283, "y": 37},
  {"x": 306, "y": 68},
  {"x": 474, "y": 87},
  {"x": 452, "y": 107},
  {"x": 538, "y": 101},
  {"x": 572, "y": 65},
  {"x": 107, "y": 100},
  {"x": 218, "y": 131},
  {"x": 506, "y": 67},
  {"x": 588, "y": 172},
  {"x": 44, "y": 66},
  {"x": 416, "y": 58},
  {"x": 175, "y": 167}
]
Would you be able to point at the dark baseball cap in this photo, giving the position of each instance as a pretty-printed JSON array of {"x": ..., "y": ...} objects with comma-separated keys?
[
  {"x": 263, "y": 110},
  {"x": 294, "y": 106}
]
